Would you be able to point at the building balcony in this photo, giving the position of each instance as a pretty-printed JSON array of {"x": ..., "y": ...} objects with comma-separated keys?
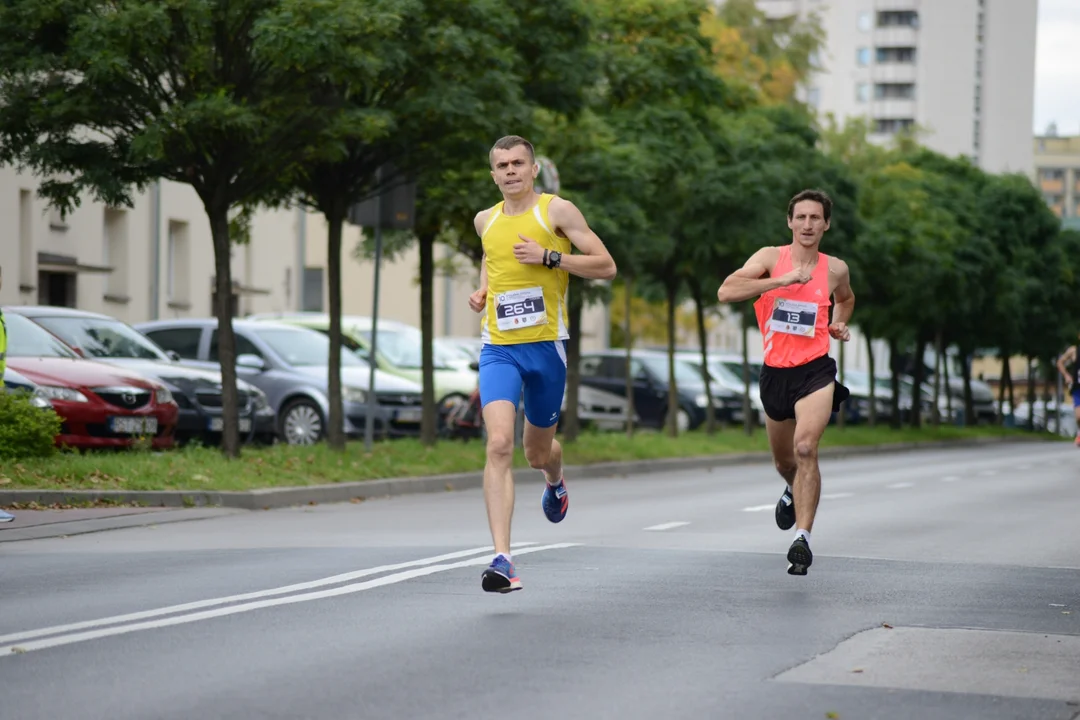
[
  {"x": 894, "y": 73},
  {"x": 892, "y": 109},
  {"x": 1052, "y": 186},
  {"x": 779, "y": 8},
  {"x": 887, "y": 5},
  {"x": 901, "y": 36}
]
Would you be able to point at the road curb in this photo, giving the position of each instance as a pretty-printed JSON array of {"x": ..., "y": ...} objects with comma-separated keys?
[{"x": 368, "y": 489}]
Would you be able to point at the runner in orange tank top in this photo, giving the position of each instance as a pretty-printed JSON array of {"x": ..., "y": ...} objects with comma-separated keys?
[{"x": 797, "y": 284}]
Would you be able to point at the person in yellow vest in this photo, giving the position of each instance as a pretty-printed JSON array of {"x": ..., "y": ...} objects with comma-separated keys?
[
  {"x": 4, "y": 516},
  {"x": 527, "y": 240}
]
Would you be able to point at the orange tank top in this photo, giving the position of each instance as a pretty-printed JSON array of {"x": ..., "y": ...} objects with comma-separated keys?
[{"x": 794, "y": 320}]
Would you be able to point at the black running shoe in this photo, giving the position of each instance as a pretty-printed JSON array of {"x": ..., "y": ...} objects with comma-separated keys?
[
  {"x": 799, "y": 556},
  {"x": 785, "y": 511}
]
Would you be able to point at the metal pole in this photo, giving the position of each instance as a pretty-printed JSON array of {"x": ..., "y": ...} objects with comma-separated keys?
[{"x": 369, "y": 429}]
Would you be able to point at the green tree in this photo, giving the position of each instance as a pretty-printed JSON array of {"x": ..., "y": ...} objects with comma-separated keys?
[{"x": 106, "y": 97}]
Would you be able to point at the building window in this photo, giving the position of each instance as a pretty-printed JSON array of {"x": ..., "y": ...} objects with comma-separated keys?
[
  {"x": 888, "y": 126},
  {"x": 862, "y": 57},
  {"x": 26, "y": 240},
  {"x": 116, "y": 254},
  {"x": 864, "y": 21},
  {"x": 894, "y": 91},
  {"x": 898, "y": 18},
  {"x": 862, "y": 92},
  {"x": 905, "y": 55},
  {"x": 178, "y": 273},
  {"x": 813, "y": 97},
  {"x": 313, "y": 289}
]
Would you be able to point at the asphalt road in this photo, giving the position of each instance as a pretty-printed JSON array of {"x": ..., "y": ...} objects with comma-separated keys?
[{"x": 945, "y": 584}]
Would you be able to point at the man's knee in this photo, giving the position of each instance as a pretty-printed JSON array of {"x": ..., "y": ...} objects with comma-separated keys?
[
  {"x": 537, "y": 457},
  {"x": 806, "y": 449},
  {"x": 500, "y": 444},
  {"x": 787, "y": 469}
]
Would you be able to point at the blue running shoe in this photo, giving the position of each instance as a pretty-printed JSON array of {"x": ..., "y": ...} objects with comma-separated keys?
[
  {"x": 500, "y": 576},
  {"x": 555, "y": 501},
  {"x": 6, "y": 516}
]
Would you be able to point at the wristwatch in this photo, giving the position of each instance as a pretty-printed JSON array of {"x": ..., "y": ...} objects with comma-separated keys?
[{"x": 553, "y": 259}]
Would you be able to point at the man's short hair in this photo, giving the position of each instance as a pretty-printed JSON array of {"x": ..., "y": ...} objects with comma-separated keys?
[
  {"x": 815, "y": 195},
  {"x": 508, "y": 142}
]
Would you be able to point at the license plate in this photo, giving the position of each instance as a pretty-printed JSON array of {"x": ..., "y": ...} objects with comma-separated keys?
[
  {"x": 409, "y": 415},
  {"x": 134, "y": 425},
  {"x": 217, "y": 424}
]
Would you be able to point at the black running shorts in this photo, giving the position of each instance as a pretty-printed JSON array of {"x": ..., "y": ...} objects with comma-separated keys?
[{"x": 781, "y": 388}]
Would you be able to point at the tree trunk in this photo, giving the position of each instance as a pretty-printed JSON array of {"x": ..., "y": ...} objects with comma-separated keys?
[
  {"x": 965, "y": 372},
  {"x": 1031, "y": 394},
  {"x": 949, "y": 418},
  {"x": 571, "y": 425},
  {"x": 429, "y": 420},
  {"x": 230, "y": 412},
  {"x": 1002, "y": 383},
  {"x": 673, "y": 392},
  {"x": 1012, "y": 387},
  {"x": 335, "y": 431},
  {"x": 628, "y": 342},
  {"x": 840, "y": 415},
  {"x": 703, "y": 342},
  {"x": 872, "y": 420},
  {"x": 935, "y": 412},
  {"x": 916, "y": 389},
  {"x": 744, "y": 321},
  {"x": 894, "y": 365}
]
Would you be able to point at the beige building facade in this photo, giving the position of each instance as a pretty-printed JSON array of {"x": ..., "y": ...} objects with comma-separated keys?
[
  {"x": 1057, "y": 173},
  {"x": 155, "y": 260}
]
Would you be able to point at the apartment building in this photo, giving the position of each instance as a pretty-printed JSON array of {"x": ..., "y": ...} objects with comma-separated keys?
[
  {"x": 1057, "y": 172},
  {"x": 964, "y": 70},
  {"x": 155, "y": 260}
]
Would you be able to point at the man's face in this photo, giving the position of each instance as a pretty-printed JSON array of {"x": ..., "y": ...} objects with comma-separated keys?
[
  {"x": 513, "y": 170},
  {"x": 808, "y": 222}
]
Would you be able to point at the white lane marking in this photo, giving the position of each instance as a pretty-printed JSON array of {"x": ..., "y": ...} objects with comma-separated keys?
[
  {"x": 332, "y": 580},
  {"x": 667, "y": 526},
  {"x": 900, "y": 485},
  {"x": 836, "y": 496},
  {"x": 759, "y": 508},
  {"x": 950, "y": 478},
  {"x": 234, "y": 609}
]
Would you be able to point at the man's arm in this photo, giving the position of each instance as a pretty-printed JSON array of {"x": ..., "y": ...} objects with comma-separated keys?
[
  {"x": 483, "y": 272},
  {"x": 1063, "y": 360},
  {"x": 843, "y": 294},
  {"x": 749, "y": 281},
  {"x": 594, "y": 262}
]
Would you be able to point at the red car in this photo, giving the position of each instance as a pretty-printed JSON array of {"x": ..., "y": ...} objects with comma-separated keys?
[{"x": 101, "y": 406}]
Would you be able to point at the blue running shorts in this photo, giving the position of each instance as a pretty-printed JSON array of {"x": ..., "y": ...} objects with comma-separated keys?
[{"x": 538, "y": 368}]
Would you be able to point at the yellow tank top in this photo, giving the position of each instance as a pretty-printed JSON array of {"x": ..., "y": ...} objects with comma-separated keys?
[{"x": 525, "y": 303}]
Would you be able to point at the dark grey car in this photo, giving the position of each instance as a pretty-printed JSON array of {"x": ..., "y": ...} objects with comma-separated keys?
[{"x": 289, "y": 364}]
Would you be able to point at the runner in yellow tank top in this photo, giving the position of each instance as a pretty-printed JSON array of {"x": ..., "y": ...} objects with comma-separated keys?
[{"x": 528, "y": 240}]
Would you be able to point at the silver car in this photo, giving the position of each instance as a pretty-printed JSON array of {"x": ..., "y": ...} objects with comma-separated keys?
[{"x": 289, "y": 364}]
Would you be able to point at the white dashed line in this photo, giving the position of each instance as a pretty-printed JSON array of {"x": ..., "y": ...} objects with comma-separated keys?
[
  {"x": 836, "y": 496},
  {"x": 900, "y": 485},
  {"x": 759, "y": 508},
  {"x": 950, "y": 478},
  {"x": 667, "y": 526}
]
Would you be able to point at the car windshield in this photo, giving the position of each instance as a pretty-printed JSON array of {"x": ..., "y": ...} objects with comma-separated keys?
[
  {"x": 685, "y": 374},
  {"x": 101, "y": 338},
  {"x": 452, "y": 352},
  {"x": 737, "y": 367},
  {"x": 402, "y": 347},
  {"x": 28, "y": 339},
  {"x": 304, "y": 348},
  {"x": 723, "y": 373}
]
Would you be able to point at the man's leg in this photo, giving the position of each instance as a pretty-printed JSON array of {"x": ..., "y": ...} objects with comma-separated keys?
[
  {"x": 1076, "y": 414},
  {"x": 812, "y": 415},
  {"x": 500, "y": 388},
  {"x": 545, "y": 383},
  {"x": 782, "y": 443}
]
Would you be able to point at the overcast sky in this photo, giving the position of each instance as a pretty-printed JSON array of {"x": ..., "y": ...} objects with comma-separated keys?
[{"x": 1057, "y": 66}]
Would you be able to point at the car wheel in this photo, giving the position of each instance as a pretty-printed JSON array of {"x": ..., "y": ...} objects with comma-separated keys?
[{"x": 302, "y": 423}]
